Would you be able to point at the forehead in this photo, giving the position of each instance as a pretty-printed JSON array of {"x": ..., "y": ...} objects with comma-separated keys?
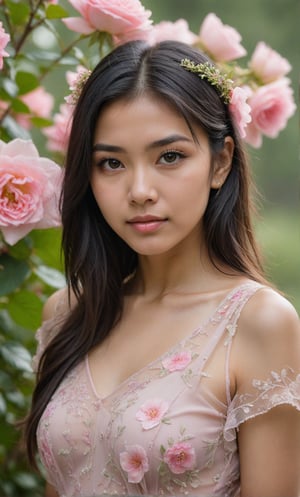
[{"x": 144, "y": 117}]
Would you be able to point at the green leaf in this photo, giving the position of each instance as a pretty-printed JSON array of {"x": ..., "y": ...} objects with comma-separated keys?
[
  {"x": 14, "y": 130},
  {"x": 10, "y": 87},
  {"x": 56, "y": 12},
  {"x": 12, "y": 274},
  {"x": 26, "y": 82},
  {"x": 18, "y": 12},
  {"x": 25, "y": 308},
  {"x": 47, "y": 246},
  {"x": 51, "y": 276},
  {"x": 16, "y": 356},
  {"x": 19, "y": 106},
  {"x": 2, "y": 405},
  {"x": 22, "y": 249},
  {"x": 41, "y": 122}
]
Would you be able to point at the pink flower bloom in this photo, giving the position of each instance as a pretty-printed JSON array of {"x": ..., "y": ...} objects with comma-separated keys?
[
  {"x": 58, "y": 134},
  {"x": 135, "y": 462},
  {"x": 4, "y": 39},
  {"x": 178, "y": 361},
  {"x": 151, "y": 413},
  {"x": 166, "y": 30},
  {"x": 40, "y": 103},
  {"x": 29, "y": 190},
  {"x": 268, "y": 64},
  {"x": 271, "y": 107},
  {"x": 221, "y": 41},
  {"x": 125, "y": 19},
  {"x": 240, "y": 109},
  {"x": 180, "y": 457}
]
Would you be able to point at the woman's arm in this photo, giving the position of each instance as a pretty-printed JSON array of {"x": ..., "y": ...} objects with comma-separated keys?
[{"x": 268, "y": 342}]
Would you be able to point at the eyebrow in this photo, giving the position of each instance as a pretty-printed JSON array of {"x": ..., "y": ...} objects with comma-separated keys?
[{"x": 99, "y": 147}]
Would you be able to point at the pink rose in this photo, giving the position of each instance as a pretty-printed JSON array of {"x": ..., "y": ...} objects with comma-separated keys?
[
  {"x": 180, "y": 457},
  {"x": 239, "y": 109},
  {"x": 166, "y": 30},
  {"x": 29, "y": 190},
  {"x": 39, "y": 102},
  {"x": 135, "y": 462},
  {"x": 221, "y": 41},
  {"x": 151, "y": 413},
  {"x": 178, "y": 361},
  {"x": 268, "y": 64},
  {"x": 58, "y": 134},
  {"x": 4, "y": 39},
  {"x": 271, "y": 107},
  {"x": 124, "y": 19}
]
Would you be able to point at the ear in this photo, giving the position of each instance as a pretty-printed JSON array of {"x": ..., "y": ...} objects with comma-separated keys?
[{"x": 222, "y": 164}]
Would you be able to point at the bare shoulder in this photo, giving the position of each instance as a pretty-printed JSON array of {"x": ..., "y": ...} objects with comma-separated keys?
[
  {"x": 268, "y": 334},
  {"x": 268, "y": 315},
  {"x": 58, "y": 301}
]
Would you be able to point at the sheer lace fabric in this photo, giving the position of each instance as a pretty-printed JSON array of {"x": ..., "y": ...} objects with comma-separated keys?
[{"x": 162, "y": 431}]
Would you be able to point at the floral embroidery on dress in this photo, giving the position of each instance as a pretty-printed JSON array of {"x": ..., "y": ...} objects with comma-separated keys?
[
  {"x": 135, "y": 462},
  {"x": 177, "y": 361},
  {"x": 151, "y": 413},
  {"x": 159, "y": 432}
]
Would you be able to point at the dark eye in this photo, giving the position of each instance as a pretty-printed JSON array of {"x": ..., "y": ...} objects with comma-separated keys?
[
  {"x": 111, "y": 164},
  {"x": 171, "y": 157}
]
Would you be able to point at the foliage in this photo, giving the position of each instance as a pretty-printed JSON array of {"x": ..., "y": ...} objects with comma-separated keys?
[{"x": 30, "y": 270}]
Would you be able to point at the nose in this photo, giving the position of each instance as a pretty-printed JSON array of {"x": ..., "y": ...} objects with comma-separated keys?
[{"x": 141, "y": 186}]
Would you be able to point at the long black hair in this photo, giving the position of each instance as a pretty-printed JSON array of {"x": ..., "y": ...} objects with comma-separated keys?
[{"x": 96, "y": 260}]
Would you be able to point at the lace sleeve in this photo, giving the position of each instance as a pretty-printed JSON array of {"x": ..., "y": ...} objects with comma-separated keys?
[{"x": 280, "y": 388}]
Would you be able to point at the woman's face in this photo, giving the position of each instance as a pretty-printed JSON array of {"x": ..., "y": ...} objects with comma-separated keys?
[{"x": 150, "y": 179}]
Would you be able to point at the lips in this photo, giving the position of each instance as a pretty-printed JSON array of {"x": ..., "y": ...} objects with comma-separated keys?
[
  {"x": 145, "y": 219},
  {"x": 146, "y": 224}
]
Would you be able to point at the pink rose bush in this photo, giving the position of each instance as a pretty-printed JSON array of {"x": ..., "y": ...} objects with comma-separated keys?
[
  {"x": 166, "y": 30},
  {"x": 58, "y": 134},
  {"x": 240, "y": 109},
  {"x": 180, "y": 458},
  {"x": 222, "y": 42},
  {"x": 124, "y": 19},
  {"x": 271, "y": 107},
  {"x": 40, "y": 104},
  {"x": 29, "y": 190},
  {"x": 151, "y": 413},
  {"x": 135, "y": 462},
  {"x": 267, "y": 64},
  {"x": 4, "y": 39}
]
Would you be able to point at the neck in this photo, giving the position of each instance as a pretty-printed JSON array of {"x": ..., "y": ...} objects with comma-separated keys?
[{"x": 179, "y": 271}]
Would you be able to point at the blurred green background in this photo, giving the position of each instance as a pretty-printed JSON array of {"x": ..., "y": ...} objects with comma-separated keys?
[{"x": 276, "y": 163}]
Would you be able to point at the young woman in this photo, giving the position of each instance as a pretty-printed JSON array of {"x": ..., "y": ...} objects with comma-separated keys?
[{"x": 169, "y": 366}]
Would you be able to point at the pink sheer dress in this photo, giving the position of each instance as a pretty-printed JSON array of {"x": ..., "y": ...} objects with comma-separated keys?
[{"x": 162, "y": 431}]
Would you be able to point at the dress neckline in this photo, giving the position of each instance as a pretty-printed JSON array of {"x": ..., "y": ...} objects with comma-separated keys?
[{"x": 178, "y": 344}]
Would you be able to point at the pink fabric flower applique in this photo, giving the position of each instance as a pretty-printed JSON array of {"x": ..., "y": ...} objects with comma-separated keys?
[
  {"x": 222, "y": 42},
  {"x": 135, "y": 462},
  {"x": 151, "y": 413},
  {"x": 178, "y": 361},
  {"x": 180, "y": 457}
]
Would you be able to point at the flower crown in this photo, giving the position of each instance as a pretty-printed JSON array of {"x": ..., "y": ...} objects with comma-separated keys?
[
  {"x": 77, "y": 86},
  {"x": 233, "y": 96},
  {"x": 213, "y": 75}
]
